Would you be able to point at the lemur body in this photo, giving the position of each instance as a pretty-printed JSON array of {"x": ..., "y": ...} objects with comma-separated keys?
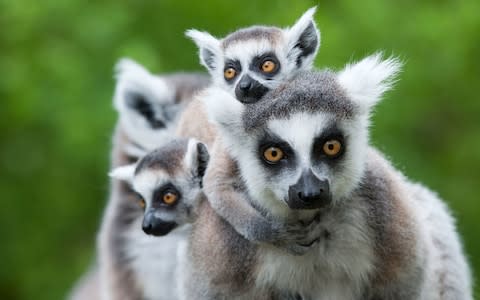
[
  {"x": 127, "y": 259},
  {"x": 302, "y": 153}
]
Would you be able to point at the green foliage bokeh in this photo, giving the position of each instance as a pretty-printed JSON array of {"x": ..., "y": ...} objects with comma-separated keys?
[{"x": 56, "y": 117}]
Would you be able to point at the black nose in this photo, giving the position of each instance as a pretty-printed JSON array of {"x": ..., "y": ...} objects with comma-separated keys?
[
  {"x": 245, "y": 85},
  {"x": 155, "y": 226},
  {"x": 309, "y": 192},
  {"x": 248, "y": 90}
]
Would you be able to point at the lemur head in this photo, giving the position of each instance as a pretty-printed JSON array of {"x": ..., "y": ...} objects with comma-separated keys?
[
  {"x": 250, "y": 61},
  {"x": 303, "y": 146},
  {"x": 146, "y": 105},
  {"x": 169, "y": 182}
]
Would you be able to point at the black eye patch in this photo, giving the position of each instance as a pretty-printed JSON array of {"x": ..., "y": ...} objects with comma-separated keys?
[
  {"x": 271, "y": 140},
  {"x": 234, "y": 64},
  {"x": 161, "y": 191},
  {"x": 258, "y": 61},
  {"x": 331, "y": 133}
]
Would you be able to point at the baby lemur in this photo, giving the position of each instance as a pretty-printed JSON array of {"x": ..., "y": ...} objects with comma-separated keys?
[
  {"x": 302, "y": 152},
  {"x": 168, "y": 183}
]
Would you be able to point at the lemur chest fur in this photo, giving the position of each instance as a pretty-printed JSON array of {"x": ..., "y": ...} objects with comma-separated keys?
[
  {"x": 153, "y": 260},
  {"x": 336, "y": 267}
]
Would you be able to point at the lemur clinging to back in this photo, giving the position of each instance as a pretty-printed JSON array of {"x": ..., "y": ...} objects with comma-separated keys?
[
  {"x": 303, "y": 152},
  {"x": 247, "y": 64}
]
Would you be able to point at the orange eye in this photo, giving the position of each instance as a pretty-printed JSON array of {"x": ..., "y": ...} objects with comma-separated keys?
[
  {"x": 229, "y": 73},
  {"x": 273, "y": 154},
  {"x": 169, "y": 198},
  {"x": 141, "y": 203},
  {"x": 268, "y": 66},
  {"x": 332, "y": 147}
]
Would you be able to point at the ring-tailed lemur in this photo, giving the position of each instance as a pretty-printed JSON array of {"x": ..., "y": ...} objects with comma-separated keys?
[
  {"x": 149, "y": 107},
  {"x": 303, "y": 150},
  {"x": 168, "y": 183},
  {"x": 250, "y": 61}
]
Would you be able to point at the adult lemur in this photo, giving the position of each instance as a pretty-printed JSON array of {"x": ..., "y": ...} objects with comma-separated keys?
[{"x": 303, "y": 152}]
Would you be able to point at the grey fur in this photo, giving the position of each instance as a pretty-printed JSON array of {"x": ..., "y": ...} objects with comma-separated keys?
[
  {"x": 269, "y": 33},
  {"x": 167, "y": 158},
  {"x": 385, "y": 238},
  {"x": 312, "y": 92}
]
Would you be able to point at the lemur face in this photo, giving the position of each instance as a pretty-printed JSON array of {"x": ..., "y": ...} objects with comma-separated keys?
[
  {"x": 168, "y": 180},
  {"x": 249, "y": 62},
  {"x": 303, "y": 145}
]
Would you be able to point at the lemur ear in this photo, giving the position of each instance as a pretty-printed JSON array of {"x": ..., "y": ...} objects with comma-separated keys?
[
  {"x": 125, "y": 173},
  {"x": 208, "y": 46},
  {"x": 304, "y": 40},
  {"x": 137, "y": 92},
  {"x": 367, "y": 80},
  {"x": 197, "y": 157},
  {"x": 223, "y": 109}
]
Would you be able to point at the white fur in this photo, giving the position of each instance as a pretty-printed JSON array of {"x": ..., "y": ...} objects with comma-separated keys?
[
  {"x": 191, "y": 156},
  {"x": 367, "y": 80},
  {"x": 132, "y": 77},
  {"x": 205, "y": 41},
  {"x": 123, "y": 173},
  {"x": 327, "y": 271},
  {"x": 154, "y": 260},
  {"x": 295, "y": 32},
  {"x": 222, "y": 108}
]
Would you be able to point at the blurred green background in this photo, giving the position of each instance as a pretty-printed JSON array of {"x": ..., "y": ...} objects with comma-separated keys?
[{"x": 56, "y": 117}]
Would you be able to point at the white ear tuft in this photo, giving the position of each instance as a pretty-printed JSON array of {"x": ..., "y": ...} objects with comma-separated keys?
[
  {"x": 125, "y": 173},
  {"x": 208, "y": 46},
  {"x": 133, "y": 79},
  {"x": 367, "y": 80},
  {"x": 304, "y": 40},
  {"x": 222, "y": 108}
]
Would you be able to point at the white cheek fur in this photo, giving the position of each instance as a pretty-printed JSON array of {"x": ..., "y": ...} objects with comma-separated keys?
[{"x": 299, "y": 131}]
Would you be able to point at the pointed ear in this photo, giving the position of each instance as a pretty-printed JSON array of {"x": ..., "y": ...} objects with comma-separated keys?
[
  {"x": 223, "y": 109},
  {"x": 209, "y": 48},
  {"x": 137, "y": 91},
  {"x": 304, "y": 40},
  {"x": 367, "y": 80},
  {"x": 197, "y": 157},
  {"x": 125, "y": 173}
]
